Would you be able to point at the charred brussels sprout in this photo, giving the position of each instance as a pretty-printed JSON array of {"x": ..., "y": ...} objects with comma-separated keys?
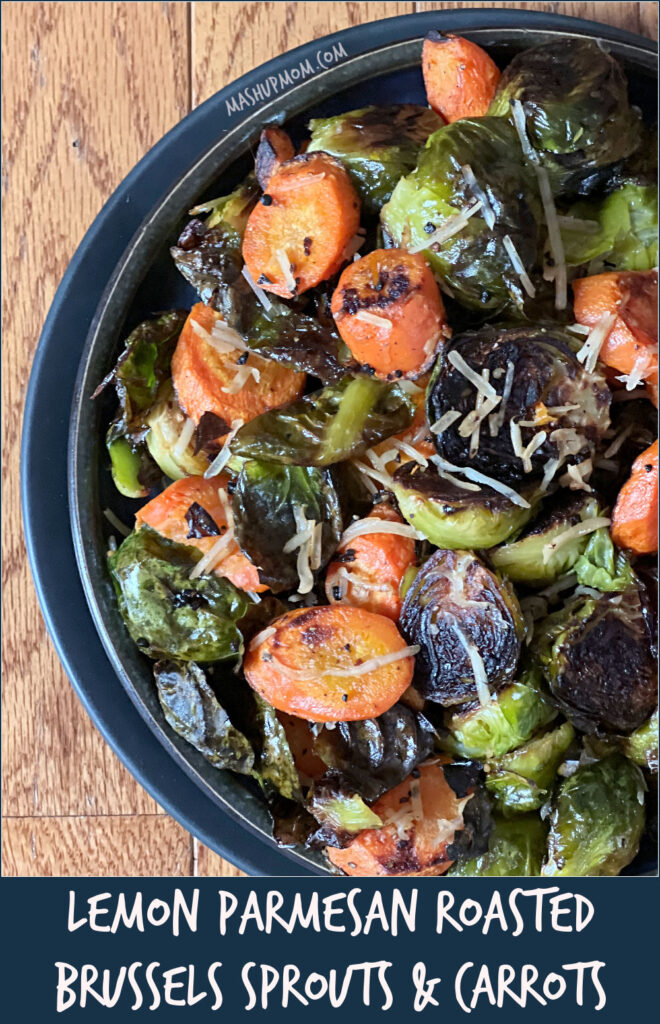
[
  {"x": 641, "y": 746},
  {"x": 535, "y": 557},
  {"x": 473, "y": 261},
  {"x": 327, "y": 426},
  {"x": 515, "y": 848},
  {"x": 522, "y": 779},
  {"x": 543, "y": 404},
  {"x": 268, "y": 502},
  {"x": 619, "y": 232},
  {"x": 597, "y": 656},
  {"x": 451, "y": 516},
  {"x": 512, "y": 715},
  {"x": 340, "y": 814},
  {"x": 468, "y": 625},
  {"x": 166, "y": 613},
  {"x": 378, "y": 145},
  {"x": 574, "y": 97},
  {"x": 597, "y": 820}
]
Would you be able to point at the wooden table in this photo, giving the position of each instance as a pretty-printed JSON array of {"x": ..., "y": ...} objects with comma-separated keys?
[{"x": 88, "y": 88}]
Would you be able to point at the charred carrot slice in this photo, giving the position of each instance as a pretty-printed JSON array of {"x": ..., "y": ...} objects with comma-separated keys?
[
  {"x": 206, "y": 374},
  {"x": 460, "y": 78},
  {"x": 299, "y": 233},
  {"x": 389, "y": 311},
  {"x": 331, "y": 664},
  {"x": 631, "y": 347},
  {"x": 424, "y": 812},
  {"x": 275, "y": 148},
  {"x": 170, "y": 515},
  {"x": 635, "y": 516},
  {"x": 367, "y": 571}
]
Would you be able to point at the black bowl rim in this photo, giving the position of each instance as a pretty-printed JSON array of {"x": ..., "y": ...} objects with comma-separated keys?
[{"x": 542, "y": 23}]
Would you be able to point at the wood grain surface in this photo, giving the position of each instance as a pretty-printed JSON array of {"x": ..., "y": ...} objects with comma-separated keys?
[{"x": 88, "y": 88}]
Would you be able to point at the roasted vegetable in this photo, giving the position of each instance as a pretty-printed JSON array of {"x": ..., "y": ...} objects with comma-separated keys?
[
  {"x": 515, "y": 848},
  {"x": 133, "y": 470},
  {"x": 327, "y": 426},
  {"x": 299, "y": 233},
  {"x": 577, "y": 116},
  {"x": 459, "y": 77},
  {"x": 275, "y": 148},
  {"x": 469, "y": 627},
  {"x": 341, "y": 815},
  {"x": 453, "y": 516},
  {"x": 297, "y": 340},
  {"x": 596, "y": 654},
  {"x": 378, "y": 145},
  {"x": 330, "y": 664},
  {"x": 545, "y": 405},
  {"x": 641, "y": 746},
  {"x": 469, "y": 161},
  {"x": 544, "y": 551},
  {"x": 510, "y": 718},
  {"x": 603, "y": 568},
  {"x": 165, "y": 421},
  {"x": 597, "y": 820},
  {"x": 522, "y": 779},
  {"x": 278, "y": 498},
  {"x": 635, "y": 516},
  {"x": 619, "y": 232},
  {"x": 167, "y": 613}
]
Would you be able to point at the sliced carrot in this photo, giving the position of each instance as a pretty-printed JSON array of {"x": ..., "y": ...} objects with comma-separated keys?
[
  {"x": 166, "y": 514},
  {"x": 275, "y": 148},
  {"x": 200, "y": 372},
  {"x": 299, "y": 233},
  {"x": 633, "y": 296},
  {"x": 301, "y": 743},
  {"x": 460, "y": 78},
  {"x": 311, "y": 665},
  {"x": 635, "y": 516},
  {"x": 389, "y": 311},
  {"x": 366, "y": 572},
  {"x": 428, "y": 813}
]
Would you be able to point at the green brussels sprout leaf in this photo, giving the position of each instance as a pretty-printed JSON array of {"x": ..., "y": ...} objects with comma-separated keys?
[
  {"x": 521, "y": 780},
  {"x": 516, "y": 848},
  {"x": 603, "y": 568}
]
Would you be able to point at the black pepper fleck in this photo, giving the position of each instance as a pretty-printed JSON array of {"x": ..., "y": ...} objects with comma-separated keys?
[{"x": 266, "y": 200}]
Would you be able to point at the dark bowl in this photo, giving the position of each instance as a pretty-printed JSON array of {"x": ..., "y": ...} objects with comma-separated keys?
[{"x": 145, "y": 280}]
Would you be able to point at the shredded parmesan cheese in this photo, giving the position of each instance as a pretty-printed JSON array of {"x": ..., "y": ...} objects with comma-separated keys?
[
  {"x": 445, "y": 421},
  {"x": 371, "y": 318},
  {"x": 573, "y": 533},
  {"x": 576, "y": 476},
  {"x": 240, "y": 379},
  {"x": 116, "y": 522},
  {"x": 637, "y": 375},
  {"x": 214, "y": 555},
  {"x": 500, "y": 415},
  {"x": 184, "y": 439},
  {"x": 285, "y": 267},
  {"x": 260, "y": 638},
  {"x": 520, "y": 123},
  {"x": 517, "y": 265},
  {"x": 452, "y": 226},
  {"x": 259, "y": 292},
  {"x": 408, "y": 449},
  {"x": 554, "y": 236},
  {"x": 596, "y": 338},
  {"x": 352, "y": 671},
  {"x": 224, "y": 455},
  {"x": 474, "y": 475},
  {"x": 486, "y": 389},
  {"x": 475, "y": 188},
  {"x": 316, "y": 556},
  {"x": 373, "y": 525},
  {"x": 618, "y": 441},
  {"x": 478, "y": 667},
  {"x": 380, "y": 476}
]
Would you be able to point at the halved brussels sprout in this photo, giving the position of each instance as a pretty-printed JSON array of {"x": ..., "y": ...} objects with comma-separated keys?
[
  {"x": 165, "y": 422},
  {"x": 597, "y": 820},
  {"x": 513, "y": 714},
  {"x": 515, "y": 848},
  {"x": 575, "y": 101},
  {"x": 378, "y": 145},
  {"x": 619, "y": 232},
  {"x": 451, "y": 516},
  {"x": 641, "y": 746},
  {"x": 340, "y": 814},
  {"x": 468, "y": 625},
  {"x": 521, "y": 780},
  {"x": 601, "y": 567},
  {"x": 597, "y": 656},
  {"x": 473, "y": 262},
  {"x": 530, "y": 558},
  {"x": 549, "y": 408}
]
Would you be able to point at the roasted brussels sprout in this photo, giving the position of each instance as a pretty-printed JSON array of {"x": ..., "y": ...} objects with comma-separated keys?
[
  {"x": 619, "y": 232},
  {"x": 133, "y": 471},
  {"x": 512, "y": 715},
  {"x": 277, "y": 498},
  {"x": 515, "y": 848},
  {"x": 532, "y": 557},
  {"x": 340, "y": 814},
  {"x": 297, "y": 340},
  {"x": 542, "y": 404},
  {"x": 327, "y": 426},
  {"x": 641, "y": 746},
  {"x": 166, "y": 613},
  {"x": 165, "y": 421},
  {"x": 450, "y": 516},
  {"x": 378, "y": 145},
  {"x": 468, "y": 625},
  {"x": 574, "y": 98},
  {"x": 473, "y": 159},
  {"x": 522, "y": 779},
  {"x": 597, "y": 656},
  {"x": 597, "y": 820},
  {"x": 600, "y": 567}
]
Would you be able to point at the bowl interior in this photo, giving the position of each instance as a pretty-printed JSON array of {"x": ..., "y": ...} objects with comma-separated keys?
[{"x": 146, "y": 281}]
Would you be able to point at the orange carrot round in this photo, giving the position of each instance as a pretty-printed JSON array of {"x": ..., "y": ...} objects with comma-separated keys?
[
  {"x": 367, "y": 571},
  {"x": 299, "y": 232},
  {"x": 633, "y": 339},
  {"x": 200, "y": 373},
  {"x": 460, "y": 78},
  {"x": 318, "y": 664},
  {"x": 426, "y": 810},
  {"x": 389, "y": 311},
  {"x": 166, "y": 514},
  {"x": 635, "y": 516}
]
